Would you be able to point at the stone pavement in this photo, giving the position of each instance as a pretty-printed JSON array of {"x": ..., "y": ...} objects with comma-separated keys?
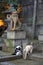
[{"x": 6, "y": 63}]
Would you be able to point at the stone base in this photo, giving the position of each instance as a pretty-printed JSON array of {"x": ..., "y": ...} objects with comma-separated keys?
[
  {"x": 7, "y": 49},
  {"x": 17, "y": 34}
]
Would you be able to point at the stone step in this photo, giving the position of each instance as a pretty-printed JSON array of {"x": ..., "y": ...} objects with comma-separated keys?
[
  {"x": 9, "y": 58},
  {"x": 36, "y": 57}
]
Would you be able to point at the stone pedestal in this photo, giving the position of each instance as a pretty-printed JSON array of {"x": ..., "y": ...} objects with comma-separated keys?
[
  {"x": 17, "y": 37},
  {"x": 17, "y": 34}
]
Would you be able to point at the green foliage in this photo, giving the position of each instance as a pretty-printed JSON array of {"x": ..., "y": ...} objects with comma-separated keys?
[{"x": 9, "y": 42}]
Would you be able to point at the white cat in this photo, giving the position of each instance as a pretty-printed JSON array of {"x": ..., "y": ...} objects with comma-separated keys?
[{"x": 28, "y": 50}]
